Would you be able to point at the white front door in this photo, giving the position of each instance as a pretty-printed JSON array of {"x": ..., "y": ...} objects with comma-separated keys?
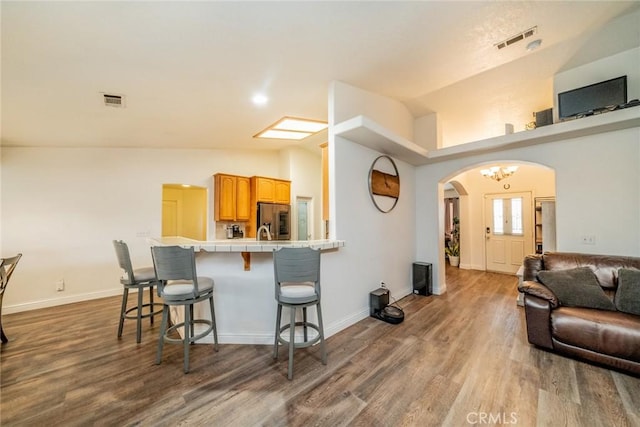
[{"x": 508, "y": 231}]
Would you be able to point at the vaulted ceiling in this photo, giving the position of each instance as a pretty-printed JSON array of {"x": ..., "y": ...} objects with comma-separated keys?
[{"x": 188, "y": 70}]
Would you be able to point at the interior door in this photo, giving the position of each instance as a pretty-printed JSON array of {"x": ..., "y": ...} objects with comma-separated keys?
[
  {"x": 508, "y": 231},
  {"x": 303, "y": 219}
]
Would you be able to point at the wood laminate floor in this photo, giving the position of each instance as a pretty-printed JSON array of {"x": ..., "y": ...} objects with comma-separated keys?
[{"x": 458, "y": 359}]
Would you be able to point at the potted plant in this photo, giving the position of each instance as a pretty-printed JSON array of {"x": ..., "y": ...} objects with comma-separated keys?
[{"x": 453, "y": 248}]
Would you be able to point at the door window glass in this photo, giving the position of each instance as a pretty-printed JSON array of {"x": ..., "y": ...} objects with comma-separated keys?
[
  {"x": 516, "y": 216},
  {"x": 507, "y": 216},
  {"x": 498, "y": 216}
]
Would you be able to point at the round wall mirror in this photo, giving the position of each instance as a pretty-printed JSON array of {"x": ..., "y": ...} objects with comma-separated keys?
[{"x": 384, "y": 183}]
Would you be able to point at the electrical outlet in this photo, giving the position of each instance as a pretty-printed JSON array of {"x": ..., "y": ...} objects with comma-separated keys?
[
  {"x": 60, "y": 285},
  {"x": 588, "y": 240},
  {"x": 382, "y": 284}
]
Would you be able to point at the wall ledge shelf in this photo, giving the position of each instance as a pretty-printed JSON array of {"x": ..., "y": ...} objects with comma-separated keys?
[{"x": 365, "y": 131}]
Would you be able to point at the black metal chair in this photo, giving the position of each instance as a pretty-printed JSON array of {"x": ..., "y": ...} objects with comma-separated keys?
[
  {"x": 7, "y": 265},
  {"x": 178, "y": 284},
  {"x": 139, "y": 279},
  {"x": 297, "y": 285}
]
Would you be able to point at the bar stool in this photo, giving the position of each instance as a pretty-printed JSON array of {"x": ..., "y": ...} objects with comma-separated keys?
[
  {"x": 297, "y": 285},
  {"x": 139, "y": 278},
  {"x": 179, "y": 284},
  {"x": 7, "y": 265}
]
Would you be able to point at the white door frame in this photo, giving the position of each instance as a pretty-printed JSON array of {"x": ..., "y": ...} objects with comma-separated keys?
[{"x": 511, "y": 261}]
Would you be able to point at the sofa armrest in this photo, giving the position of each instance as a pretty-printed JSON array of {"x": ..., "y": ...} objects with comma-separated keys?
[
  {"x": 538, "y": 316},
  {"x": 532, "y": 264},
  {"x": 539, "y": 290}
]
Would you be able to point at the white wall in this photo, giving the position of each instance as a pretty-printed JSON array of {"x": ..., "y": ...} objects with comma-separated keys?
[
  {"x": 597, "y": 194},
  {"x": 346, "y": 102},
  {"x": 379, "y": 247},
  {"x": 62, "y": 207}
]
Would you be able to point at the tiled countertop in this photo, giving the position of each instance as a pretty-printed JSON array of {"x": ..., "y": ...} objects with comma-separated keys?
[{"x": 244, "y": 245}]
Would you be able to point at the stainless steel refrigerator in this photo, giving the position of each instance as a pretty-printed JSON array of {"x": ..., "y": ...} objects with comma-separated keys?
[{"x": 276, "y": 218}]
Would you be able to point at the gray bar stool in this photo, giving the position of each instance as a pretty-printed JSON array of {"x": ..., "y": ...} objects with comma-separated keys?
[
  {"x": 7, "y": 265},
  {"x": 297, "y": 285},
  {"x": 180, "y": 285},
  {"x": 139, "y": 278}
]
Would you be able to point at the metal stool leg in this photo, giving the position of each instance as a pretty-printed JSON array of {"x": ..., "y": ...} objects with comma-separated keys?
[
  {"x": 139, "y": 316},
  {"x": 213, "y": 325},
  {"x": 292, "y": 340},
  {"x": 163, "y": 330},
  {"x": 323, "y": 349},
  {"x": 151, "y": 306},
  {"x": 304, "y": 321},
  {"x": 125, "y": 296},
  {"x": 277, "y": 339},
  {"x": 188, "y": 332}
]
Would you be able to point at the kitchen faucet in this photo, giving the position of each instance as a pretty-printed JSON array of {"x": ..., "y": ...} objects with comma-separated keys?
[{"x": 263, "y": 226}]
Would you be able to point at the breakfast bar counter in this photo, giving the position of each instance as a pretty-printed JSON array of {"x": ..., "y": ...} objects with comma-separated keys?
[
  {"x": 244, "y": 299},
  {"x": 244, "y": 245}
]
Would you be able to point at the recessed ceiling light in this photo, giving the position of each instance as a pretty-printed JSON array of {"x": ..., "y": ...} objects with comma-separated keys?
[
  {"x": 292, "y": 128},
  {"x": 259, "y": 99}
]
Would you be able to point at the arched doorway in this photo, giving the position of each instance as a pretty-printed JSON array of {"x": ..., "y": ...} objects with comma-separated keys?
[{"x": 473, "y": 189}]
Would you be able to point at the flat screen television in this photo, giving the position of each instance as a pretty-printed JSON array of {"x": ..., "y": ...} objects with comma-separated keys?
[{"x": 589, "y": 99}]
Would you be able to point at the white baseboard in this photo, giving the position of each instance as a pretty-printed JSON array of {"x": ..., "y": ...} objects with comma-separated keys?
[
  {"x": 267, "y": 338},
  {"x": 52, "y": 302},
  {"x": 472, "y": 267}
]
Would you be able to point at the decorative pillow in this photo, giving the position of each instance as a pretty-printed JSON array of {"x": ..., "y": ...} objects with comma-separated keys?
[
  {"x": 577, "y": 287},
  {"x": 627, "y": 297}
]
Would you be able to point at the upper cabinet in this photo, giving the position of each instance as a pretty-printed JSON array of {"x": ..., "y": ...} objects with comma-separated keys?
[
  {"x": 271, "y": 190},
  {"x": 283, "y": 191},
  {"x": 231, "y": 197}
]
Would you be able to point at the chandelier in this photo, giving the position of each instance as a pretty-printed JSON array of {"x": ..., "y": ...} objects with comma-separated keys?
[{"x": 499, "y": 173}]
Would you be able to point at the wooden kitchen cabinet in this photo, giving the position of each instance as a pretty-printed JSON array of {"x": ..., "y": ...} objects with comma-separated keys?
[
  {"x": 232, "y": 196},
  {"x": 282, "y": 192},
  {"x": 243, "y": 198},
  {"x": 271, "y": 190},
  {"x": 264, "y": 189}
]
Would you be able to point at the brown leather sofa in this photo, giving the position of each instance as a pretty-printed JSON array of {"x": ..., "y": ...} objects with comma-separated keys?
[{"x": 610, "y": 338}]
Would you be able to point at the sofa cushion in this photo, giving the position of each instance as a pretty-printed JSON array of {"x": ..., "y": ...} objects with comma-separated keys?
[
  {"x": 576, "y": 287},
  {"x": 607, "y": 332},
  {"x": 627, "y": 297},
  {"x": 605, "y": 267}
]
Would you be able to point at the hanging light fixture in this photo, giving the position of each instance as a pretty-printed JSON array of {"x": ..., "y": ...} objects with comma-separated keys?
[{"x": 498, "y": 173}]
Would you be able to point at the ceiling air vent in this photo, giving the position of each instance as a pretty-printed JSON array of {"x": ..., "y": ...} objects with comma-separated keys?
[
  {"x": 113, "y": 100},
  {"x": 516, "y": 38}
]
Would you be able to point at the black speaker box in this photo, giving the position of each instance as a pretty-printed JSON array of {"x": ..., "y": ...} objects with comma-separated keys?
[
  {"x": 544, "y": 117},
  {"x": 422, "y": 278}
]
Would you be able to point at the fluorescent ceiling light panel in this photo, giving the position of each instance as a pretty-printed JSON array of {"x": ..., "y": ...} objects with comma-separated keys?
[
  {"x": 282, "y": 134},
  {"x": 300, "y": 125},
  {"x": 292, "y": 128}
]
